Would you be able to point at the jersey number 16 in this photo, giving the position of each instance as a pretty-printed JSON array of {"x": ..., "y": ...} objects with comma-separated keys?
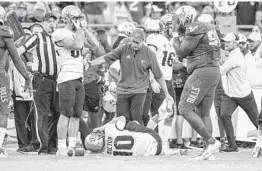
[{"x": 168, "y": 58}]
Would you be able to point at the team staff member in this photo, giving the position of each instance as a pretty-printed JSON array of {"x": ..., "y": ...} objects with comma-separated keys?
[
  {"x": 44, "y": 83},
  {"x": 238, "y": 90},
  {"x": 136, "y": 60}
]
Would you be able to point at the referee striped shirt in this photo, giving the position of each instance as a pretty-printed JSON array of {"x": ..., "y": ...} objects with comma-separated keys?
[{"x": 45, "y": 51}]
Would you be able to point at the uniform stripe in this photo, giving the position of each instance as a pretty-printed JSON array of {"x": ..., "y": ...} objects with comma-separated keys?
[
  {"x": 31, "y": 43},
  {"x": 54, "y": 57},
  {"x": 38, "y": 55},
  {"x": 45, "y": 50}
]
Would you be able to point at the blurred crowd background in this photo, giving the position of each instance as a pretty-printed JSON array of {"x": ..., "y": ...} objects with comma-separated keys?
[{"x": 106, "y": 16}]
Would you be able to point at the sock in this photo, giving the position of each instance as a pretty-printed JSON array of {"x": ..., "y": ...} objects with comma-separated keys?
[
  {"x": 2, "y": 136},
  {"x": 72, "y": 142},
  {"x": 259, "y": 137},
  {"x": 62, "y": 143}
]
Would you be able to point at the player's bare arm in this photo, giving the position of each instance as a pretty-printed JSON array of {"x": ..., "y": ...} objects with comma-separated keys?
[
  {"x": 189, "y": 43},
  {"x": 16, "y": 59}
]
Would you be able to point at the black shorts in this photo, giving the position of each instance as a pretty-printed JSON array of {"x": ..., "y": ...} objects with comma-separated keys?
[
  {"x": 71, "y": 98},
  {"x": 91, "y": 97},
  {"x": 178, "y": 96}
]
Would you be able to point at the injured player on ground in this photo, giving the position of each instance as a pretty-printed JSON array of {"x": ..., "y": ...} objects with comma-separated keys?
[{"x": 126, "y": 139}]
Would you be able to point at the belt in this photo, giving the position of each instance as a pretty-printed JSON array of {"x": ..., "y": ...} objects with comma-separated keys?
[{"x": 52, "y": 77}]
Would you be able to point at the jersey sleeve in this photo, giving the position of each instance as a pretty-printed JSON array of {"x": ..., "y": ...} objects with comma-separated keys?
[
  {"x": 194, "y": 29},
  {"x": 6, "y": 32},
  {"x": 62, "y": 34}
]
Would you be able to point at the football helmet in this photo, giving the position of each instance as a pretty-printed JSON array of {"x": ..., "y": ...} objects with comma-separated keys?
[
  {"x": 72, "y": 15},
  {"x": 206, "y": 18},
  {"x": 152, "y": 26},
  {"x": 109, "y": 102},
  {"x": 125, "y": 29},
  {"x": 2, "y": 15},
  {"x": 184, "y": 15},
  {"x": 166, "y": 25},
  {"x": 95, "y": 141}
]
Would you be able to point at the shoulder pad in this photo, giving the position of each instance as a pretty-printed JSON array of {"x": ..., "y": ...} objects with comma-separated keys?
[
  {"x": 196, "y": 28},
  {"x": 60, "y": 34},
  {"x": 6, "y": 32}
]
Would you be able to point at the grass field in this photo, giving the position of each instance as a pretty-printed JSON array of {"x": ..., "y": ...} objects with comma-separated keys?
[{"x": 241, "y": 161}]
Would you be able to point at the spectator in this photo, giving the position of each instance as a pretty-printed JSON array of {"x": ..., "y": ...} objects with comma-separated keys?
[
  {"x": 137, "y": 11},
  {"x": 56, "y": 10},
  {"x": 94, "y": 12},
  {"x": 24, "y": 111},
  {"x": 238, "y": 90},
  {"x": 121, "y": 13},
  {"x": 154, "y": 15},
  {"x": 250, "y": 8},
  {"x": 21, "y": 11},
  {"x": 38, "y": 13},
  {"x": 36, "y": 28}
]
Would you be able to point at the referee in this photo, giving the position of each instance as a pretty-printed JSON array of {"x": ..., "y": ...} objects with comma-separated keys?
[{"x": 44, "y": 83}]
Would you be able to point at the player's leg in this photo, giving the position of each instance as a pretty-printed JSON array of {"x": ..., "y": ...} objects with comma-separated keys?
[
  {"x": 197, "y": 86},
  {"x": 4, "y": 102},
  {"x": 136, "y": 127},
  {"x": 136, "y": 107},
  {"x": 219, "y": 94},
  {"x": 66, "y": 101},
  {"x": 84, "y": 130},
  {"x": 73, "y": 126}
]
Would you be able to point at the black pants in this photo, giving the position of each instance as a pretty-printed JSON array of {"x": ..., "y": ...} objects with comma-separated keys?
[
  {"x": 229, "y": 105},
  {"x": 46, "y": 100},
  {"x": 24, "y": 114},
  {"x": 147, "y": 107},
  {"x": 130, "y": 106}
]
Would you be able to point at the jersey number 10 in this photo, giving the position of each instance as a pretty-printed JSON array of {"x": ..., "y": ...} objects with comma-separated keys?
[{"x": 168, "y": 58}]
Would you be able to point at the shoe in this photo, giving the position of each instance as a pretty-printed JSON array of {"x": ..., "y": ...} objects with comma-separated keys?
[
  {"x": 256, "y": 152},
  {"x": 223, "y": 144},
  {"x": 43, "y": 151},
  {"x": 230, "y": 149},
  {"x": 3, "y": 153},
  {"x": 28, "y": 149},
  {"x": 208, "y": 152},
  {"x": 62, "y": 152},
  {"x": 172, "y": 143}
]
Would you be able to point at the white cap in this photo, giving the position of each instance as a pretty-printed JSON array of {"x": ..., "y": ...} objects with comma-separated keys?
[
  {"x": 254, "y": 37},
  {"x": 155, "y": 8},
  {"x": 241, "y": 38},
  {"x": 230, "y": 37}
]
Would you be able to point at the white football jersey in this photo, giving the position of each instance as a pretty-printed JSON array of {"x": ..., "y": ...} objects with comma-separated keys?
[
  {"x": 70, "y": 62},
  {"x": 129, "y": 143},
  {"x": 165, "y": 53}
]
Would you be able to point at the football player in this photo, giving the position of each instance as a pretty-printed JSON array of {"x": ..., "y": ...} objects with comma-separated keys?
[
  {"x": 7, "y": 46},
  {"x": 69, "y": 47},
  {"x": 201, "y": 47},
  {"x": 126, "y": 139},
  {"x": 162, "y": 46}
]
